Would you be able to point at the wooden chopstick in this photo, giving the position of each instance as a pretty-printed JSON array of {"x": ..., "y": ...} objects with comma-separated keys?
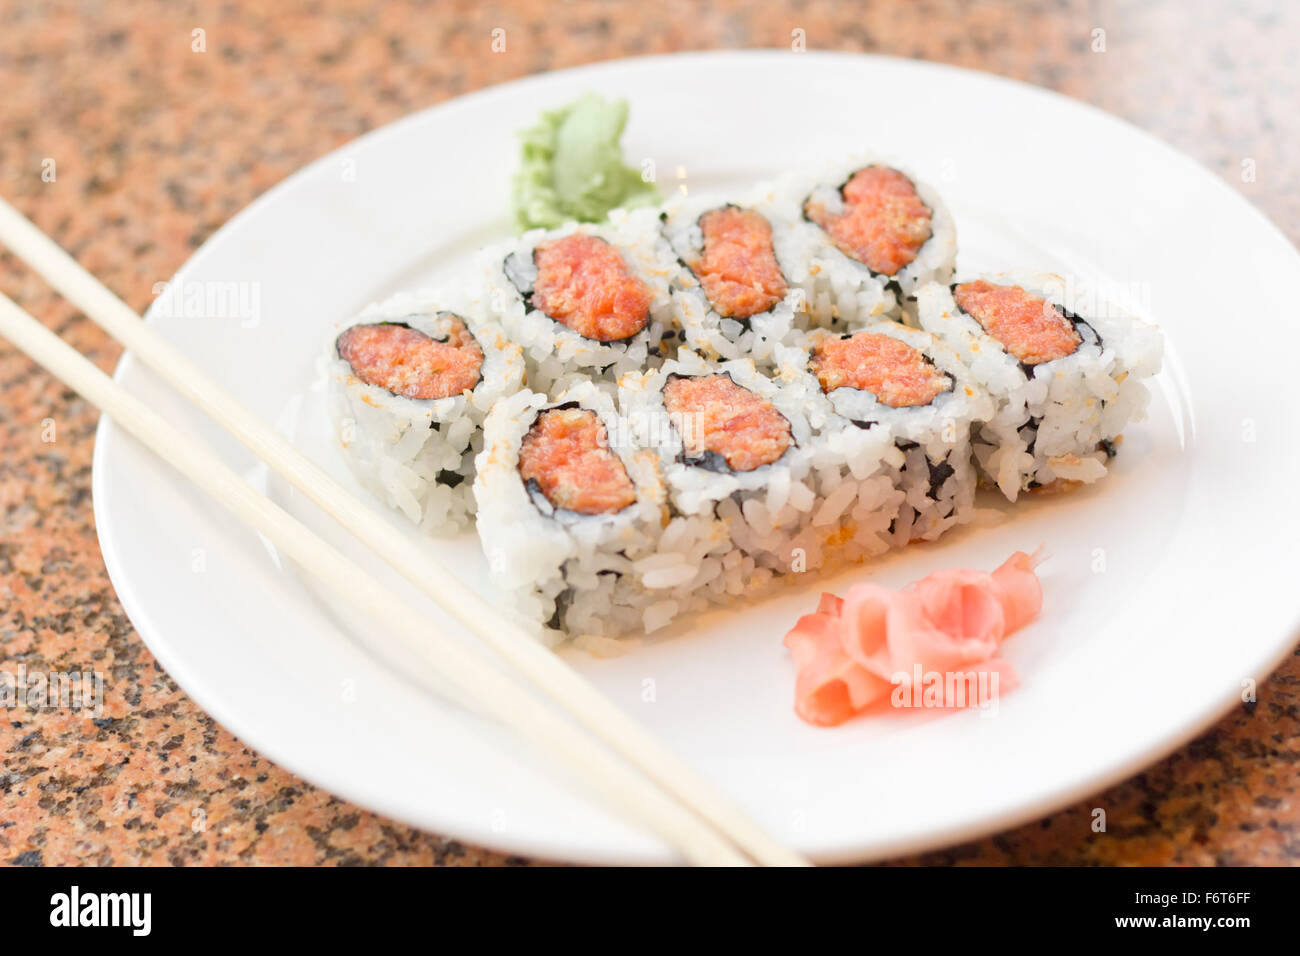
[
  {"x": 498, "y": 695},
  {"x": 542, "y": 668}
]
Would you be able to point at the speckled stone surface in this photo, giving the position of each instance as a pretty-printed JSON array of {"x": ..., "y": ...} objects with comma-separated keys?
[{"x": 156, "y": 145}]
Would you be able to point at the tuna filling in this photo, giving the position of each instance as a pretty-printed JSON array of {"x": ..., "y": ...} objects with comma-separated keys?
[
  {"x": 583, "y": 283},
  {"x": 719, "y": 420},
  {"x": 566, "y": 456},
  {"x": 880, "y": 220},
  {"x": 394, "y": 356},
  {"x": 738, "y": 266},
  {"x": 897, "y": 374},
  {"x": 1028, "y": 326}
]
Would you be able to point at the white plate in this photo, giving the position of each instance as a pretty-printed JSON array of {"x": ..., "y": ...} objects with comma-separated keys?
[{"x": 1170, "y": 583}]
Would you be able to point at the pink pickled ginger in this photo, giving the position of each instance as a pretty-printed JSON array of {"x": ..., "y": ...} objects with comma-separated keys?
[{"x": 855, "y": 650}]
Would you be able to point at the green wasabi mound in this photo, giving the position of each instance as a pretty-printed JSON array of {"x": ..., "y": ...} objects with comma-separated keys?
[{"x": 572, "y": 166}]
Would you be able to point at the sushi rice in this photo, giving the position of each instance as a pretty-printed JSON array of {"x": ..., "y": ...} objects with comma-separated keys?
[
  {"x": 1060, "y": 419},
  {"x": 929, "y": 459},
  {"x": 718, "y": 337},
  {"x": 842, "y": 292},
  {"x": 757, "y": 512},
  {"x": 583, "y": 574},
  {"x": 417, "y": 455},
  {"x": 555, "y": 354}
]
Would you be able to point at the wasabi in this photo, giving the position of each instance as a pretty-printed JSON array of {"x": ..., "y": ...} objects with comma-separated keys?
[{"x": 572, "y": 166}]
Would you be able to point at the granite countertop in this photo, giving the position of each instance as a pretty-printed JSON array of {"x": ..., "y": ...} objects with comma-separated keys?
[{"x": 156, "y": 145}]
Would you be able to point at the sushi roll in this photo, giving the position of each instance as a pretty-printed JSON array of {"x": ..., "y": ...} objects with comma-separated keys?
[
  {"x": 871, "y": 235},
  {"x": 736, "y": 447},
  {"x": 903, "y": 387},
  {"x": 410, "y": 382},
  {"x": 1065, "y": 385},
  {"x": 724, "y": 393},
  {"x": 586, "y": 301},
  {"x": 573, "y": 517},
  {"x": 735, "y": 300}
]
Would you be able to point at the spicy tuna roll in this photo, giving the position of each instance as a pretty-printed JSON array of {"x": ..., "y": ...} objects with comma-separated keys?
[
  {"x": 903, "y": 386},
  {"x": 410, "y": 381},
  {"x": 1065, "y": 384},
  {"x": 871, "y": 235},
  {"x": 586, "y": 300},
  {"x": 736, "y": 449},
  {"x": 574, "y": 519},
  {"x": 734, "y": 300}
]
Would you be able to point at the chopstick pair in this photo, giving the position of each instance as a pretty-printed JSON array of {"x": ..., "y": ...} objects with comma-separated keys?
[{"x": 661, "y": 793}]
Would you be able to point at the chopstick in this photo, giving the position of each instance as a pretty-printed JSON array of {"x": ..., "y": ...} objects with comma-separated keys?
[
  {"x": 496, "y": 694},
  {"x": 541, "y": 667}
]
